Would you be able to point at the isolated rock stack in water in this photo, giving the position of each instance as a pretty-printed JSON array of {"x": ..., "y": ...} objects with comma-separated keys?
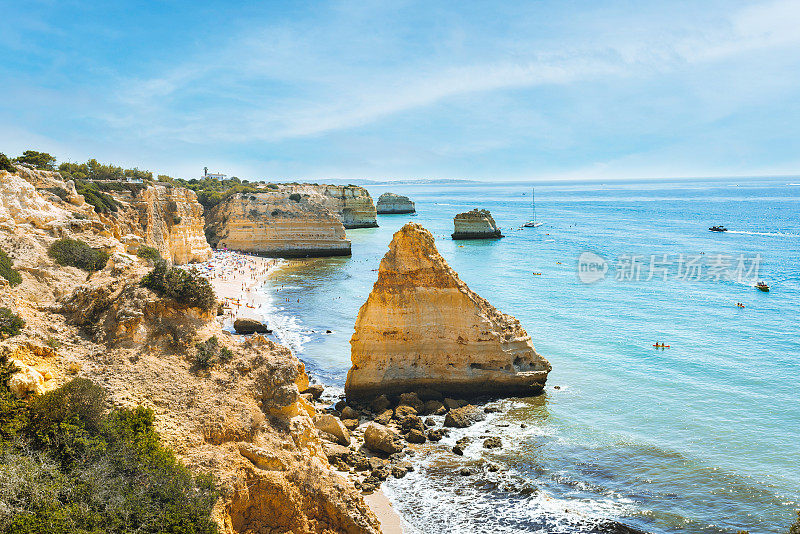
[
  {"x": 475, "y": 224},
  {"x": 390, "y": 203},
  {"x": 423, "y": 328}
]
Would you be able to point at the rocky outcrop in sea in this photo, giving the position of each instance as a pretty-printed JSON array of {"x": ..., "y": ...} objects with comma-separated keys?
[
  {"x": 475, "y": 224},
  {"x": 390, "y": 203},
  {"x": 279, "y": 224},
  {"x": 422, "y": 328}
]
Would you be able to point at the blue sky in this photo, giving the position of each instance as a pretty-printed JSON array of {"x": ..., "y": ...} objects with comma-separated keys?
[{"x": 395, "y": 90}]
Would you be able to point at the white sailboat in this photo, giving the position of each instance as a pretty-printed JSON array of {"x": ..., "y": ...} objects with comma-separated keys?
[{"x": 533, "y": 223}]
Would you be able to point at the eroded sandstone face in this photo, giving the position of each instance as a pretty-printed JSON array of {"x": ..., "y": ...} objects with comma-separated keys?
[
  {"x": 167, "y": 218},
  {"x": 275, "y": 224},
  {"x": 475, "y": 224},
  {"x": 422, "y": 327},
  {"x": 351, "y": 203},
  {"x": 389, "y": 203}
]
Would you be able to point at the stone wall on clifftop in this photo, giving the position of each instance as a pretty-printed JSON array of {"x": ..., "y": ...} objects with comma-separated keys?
[
  {"x": 279, "y": 223},
  {"x": 423, "y": 328}
]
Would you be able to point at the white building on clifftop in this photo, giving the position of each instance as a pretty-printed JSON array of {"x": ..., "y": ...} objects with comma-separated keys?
[{"x": 212, "y": 175}]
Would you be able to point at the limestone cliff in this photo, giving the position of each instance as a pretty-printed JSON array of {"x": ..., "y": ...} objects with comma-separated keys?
[
  {"x": 351, "y": 203},
  {"x": 475, "y": 224},
  {"x": 278, "y": 224},
  {"x": 165, "y": 217},
  {"x": 243, "y": 420},
  {"x": 389, "y": 203},
  {"x": 422, "y": 327}
]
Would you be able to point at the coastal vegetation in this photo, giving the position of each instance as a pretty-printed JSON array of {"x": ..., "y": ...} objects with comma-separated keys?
[
  {"x": 76, "y": 253},
  {"x": 10, "y": 323},
  {"x": 149, "y": 253},
  {"x": 5, "y": 163},
  {"x": 40, "y": 160},
  {"x": 94, "y": 170},
  {"x": 212, "y": 191},
  {"x": 69, "y": 465},
  {"x": 209, "y": 353},
  {"x": 7, "y": 270},
  {"x": 795, "y": 528},
  {"x": 185, "y": 286}
]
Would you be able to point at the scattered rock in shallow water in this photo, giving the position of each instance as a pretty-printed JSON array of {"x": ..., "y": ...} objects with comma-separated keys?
[
  {"x": 411, "y": 399},
  {"x": 250, "y": 326},
  {"x": 378, "y": 438},
  {"x": 452, "y": 404},
  {"x": 403, "y": 411},
  {"x": 380, "y": 404},
  {"x": 430, "y": 422},
  {"x": 384, "y": 418},
  {"x": 460, "y": 445},
  {"x": 437, "y": 435},
  {"x": 556, "y": 387},
  {"x": 493, "y": 468},
  {"x": 490, "y": 409},
  {"x": 315, "y": 390},
  {"x": 349, "y": 413},
  {"x": 400, "y": 470},
  {"x": 523, "y": 425},
  {"x": 492, "y": 443},
  {"x": 463, "y": 417},
  {"x": 465, "y": 472},
  {"x": 381, "y": 473},
  {"x": 411, "y": 422},
  {"x": 434, "y": 407},
  {"x": 415, "y": 436}
]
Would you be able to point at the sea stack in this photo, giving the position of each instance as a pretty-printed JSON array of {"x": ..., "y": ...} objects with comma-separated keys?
[
  {"x": 390, "y": 203},
  {"x": 422, "y": 328},
  {"x": 475, "y": 224}
]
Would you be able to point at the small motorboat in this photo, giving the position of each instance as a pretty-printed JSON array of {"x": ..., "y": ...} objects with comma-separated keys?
[
  {"x": 763, "y": 287},
  {"x": 718, "y": 228},
  {"x": 661, "y": 346}
]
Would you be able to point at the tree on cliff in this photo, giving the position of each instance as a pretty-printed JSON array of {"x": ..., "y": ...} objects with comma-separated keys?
[
  {"x": 5, "y": 164},
  {"x": 40, "y": 160}
]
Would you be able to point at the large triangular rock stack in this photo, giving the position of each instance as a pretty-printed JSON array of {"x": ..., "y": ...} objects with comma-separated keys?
[{"x": 422, "y": 328}]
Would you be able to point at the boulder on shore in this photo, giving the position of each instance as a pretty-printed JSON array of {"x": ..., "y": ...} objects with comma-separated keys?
[
  {"x": 422, "y": 328},
  {"x": 250, "y": 326},
  {"x": 390, "y": 203},
  {"x": 378, "y": 438},
  {"x": 475, "y": 224}
]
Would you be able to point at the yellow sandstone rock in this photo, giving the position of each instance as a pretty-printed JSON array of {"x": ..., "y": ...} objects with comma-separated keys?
[{"x": 422, "y": 327}]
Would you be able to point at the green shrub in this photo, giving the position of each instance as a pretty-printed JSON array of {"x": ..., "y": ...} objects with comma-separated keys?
[
  {"x": 68, "y": 466},
  {"x": 5, "y": 164},
  {"x": 295, "y": 196},
  {"x": 40, "y": 160},
  {"x": 102, "y": 202},
  {"x": 185, "y": 286},
  {"x": 795, "y": 528},
  {"x": 76, "y": 253},
  {"x": 207, "y": 352},
  {"x": 7, "y": 270},
  {"x": 11, "y": 324},
  {"x": 149, "y": 253},
  {"x": 176, "y": 219},
  {"x": 225, "y": 354}
]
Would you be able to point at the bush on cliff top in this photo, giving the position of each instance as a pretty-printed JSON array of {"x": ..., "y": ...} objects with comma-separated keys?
[
  {"x": 185, "y": 286},
  {"x": 5, "y": 164},
  {"x": 94, "y": 170},
  {"x": 78, "y": 254},
  {"x": 40, "y": 160},
  {"x": 7, "y": 270},
  {"x": 11, "y": 324},
  {"x": 68, "y": 466}
]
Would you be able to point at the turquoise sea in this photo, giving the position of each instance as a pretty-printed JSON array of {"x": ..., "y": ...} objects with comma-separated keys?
[{"x": 700, "y": 437}]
